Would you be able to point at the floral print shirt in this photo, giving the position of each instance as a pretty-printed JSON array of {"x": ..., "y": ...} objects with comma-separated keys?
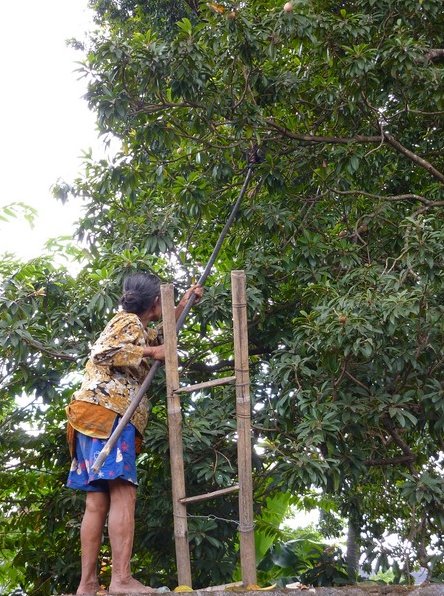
[{"x": 116, "y": 367}]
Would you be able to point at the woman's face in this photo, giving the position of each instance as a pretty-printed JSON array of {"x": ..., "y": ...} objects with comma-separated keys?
[{"x": 156, "y": 310}]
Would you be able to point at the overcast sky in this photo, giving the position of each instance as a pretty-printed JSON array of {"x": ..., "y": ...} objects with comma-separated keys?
[{"x": 45, "y": 123}]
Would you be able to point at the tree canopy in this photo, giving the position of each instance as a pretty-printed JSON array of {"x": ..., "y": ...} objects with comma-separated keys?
[{"x": 341, "y": 236}]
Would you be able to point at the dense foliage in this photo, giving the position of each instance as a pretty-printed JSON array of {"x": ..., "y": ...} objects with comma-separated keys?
[{"x": 341, "y": 235}]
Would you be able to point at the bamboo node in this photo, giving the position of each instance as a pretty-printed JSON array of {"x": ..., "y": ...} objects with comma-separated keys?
[{"x": 246, "y": 528}]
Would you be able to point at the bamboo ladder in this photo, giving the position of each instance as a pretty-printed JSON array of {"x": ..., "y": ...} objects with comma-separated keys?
[{"x": 243, "y": 417}]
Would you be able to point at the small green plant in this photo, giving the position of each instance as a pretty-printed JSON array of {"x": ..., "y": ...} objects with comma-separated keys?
[{"x": 306, "y": 559}]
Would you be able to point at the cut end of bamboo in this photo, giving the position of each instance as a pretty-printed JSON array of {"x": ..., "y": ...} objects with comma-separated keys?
[{"x": 101, "y": 458}]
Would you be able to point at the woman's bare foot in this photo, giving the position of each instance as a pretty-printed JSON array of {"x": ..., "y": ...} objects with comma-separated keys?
[
  {"x": 88, "y": 589},
  {"x": 128, "y": 586}
]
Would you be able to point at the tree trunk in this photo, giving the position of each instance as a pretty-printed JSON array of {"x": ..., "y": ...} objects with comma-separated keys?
[{"x": 352, "y": 549}]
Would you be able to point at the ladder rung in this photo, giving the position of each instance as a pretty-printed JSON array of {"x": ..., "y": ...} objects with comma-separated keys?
[
  {"x": 212, "y": 383},
  {"x": 206, "y": 496}
]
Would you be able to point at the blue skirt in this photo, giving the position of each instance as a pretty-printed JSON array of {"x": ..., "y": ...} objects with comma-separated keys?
[{"x": 120, "y": 463}]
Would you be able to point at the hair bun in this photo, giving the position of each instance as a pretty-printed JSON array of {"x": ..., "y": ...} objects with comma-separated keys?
[{"x": 139, "y": 292}]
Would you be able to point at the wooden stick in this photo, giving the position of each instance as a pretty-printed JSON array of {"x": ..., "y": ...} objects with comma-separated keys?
[
  {"x": 212, "y": 495},
  {"x": 205, "y": 384},
  {"x": 243, "y": 415},
  {"x": 175, "y": 437}
]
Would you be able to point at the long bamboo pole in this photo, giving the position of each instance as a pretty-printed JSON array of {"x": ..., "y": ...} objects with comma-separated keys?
[
  {"x": 106, "y": 450},
  {"x": 243, "y": 416},
  {"x": 175, "y": 437}
]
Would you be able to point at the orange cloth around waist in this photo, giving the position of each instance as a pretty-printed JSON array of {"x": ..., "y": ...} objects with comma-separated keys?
[{"x": 91, "y": 420}]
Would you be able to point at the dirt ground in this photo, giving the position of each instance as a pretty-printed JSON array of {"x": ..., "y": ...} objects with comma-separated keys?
[{"x": 361, "y": 590}]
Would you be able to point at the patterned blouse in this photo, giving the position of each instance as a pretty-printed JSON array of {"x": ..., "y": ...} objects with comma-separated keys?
[{"x": 116, "y": 369}]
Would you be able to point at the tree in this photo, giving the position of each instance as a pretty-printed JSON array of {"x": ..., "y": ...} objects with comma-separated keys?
[{"x": 340, "y": 235}]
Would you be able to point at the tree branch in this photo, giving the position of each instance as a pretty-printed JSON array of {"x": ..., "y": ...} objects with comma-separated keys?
[
  {"x": 50, "y": 351},
  {"x": 194, "y": 5},
  {"x": 413, "y": 157},
  {"x": 435, "y": 55},
  {"x": 141, "y": 108},
  {"x": 355, "y": 380},
  {"x": 391, "y": 461},
  {"x": 361, "y": 139},
  {"x": 314, "y": 139},
  {"x": 397, "y": 439},
  {"x": 406, "y": 197},
  {"x": 409, "y": 455}
]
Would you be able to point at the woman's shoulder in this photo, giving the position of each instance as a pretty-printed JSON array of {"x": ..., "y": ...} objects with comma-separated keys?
[
  {"x": 122, "y": 320},
  {"x": 122, "y": 315}
]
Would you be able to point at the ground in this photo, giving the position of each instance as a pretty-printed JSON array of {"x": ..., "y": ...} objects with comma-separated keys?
[{"x": 361, "y": 590}]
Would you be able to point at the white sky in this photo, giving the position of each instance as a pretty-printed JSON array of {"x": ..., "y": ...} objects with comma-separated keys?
[{"x": 45, "y": 123}]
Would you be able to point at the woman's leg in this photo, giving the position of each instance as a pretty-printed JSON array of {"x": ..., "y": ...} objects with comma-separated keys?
[
  {"x": 121, "y": 535},
  {"x": 91, "y": 530}
]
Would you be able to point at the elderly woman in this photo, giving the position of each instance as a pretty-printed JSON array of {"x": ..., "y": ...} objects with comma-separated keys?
[{"x": 118, "y": 363}]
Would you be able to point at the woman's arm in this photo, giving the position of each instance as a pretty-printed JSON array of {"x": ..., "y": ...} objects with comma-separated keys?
[
  {"x": 158, "y": 352},
  {"x": 154, "y": 352},
  {"x": 196, "y": 290}
]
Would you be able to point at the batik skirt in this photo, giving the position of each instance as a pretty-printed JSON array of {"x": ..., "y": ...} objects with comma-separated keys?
[{"x": 120, "y": 463}]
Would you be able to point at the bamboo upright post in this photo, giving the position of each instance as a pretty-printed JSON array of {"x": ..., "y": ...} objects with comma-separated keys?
[
  {"x": 243, "y": 415},
  {"x": 175, "y": 437}
]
